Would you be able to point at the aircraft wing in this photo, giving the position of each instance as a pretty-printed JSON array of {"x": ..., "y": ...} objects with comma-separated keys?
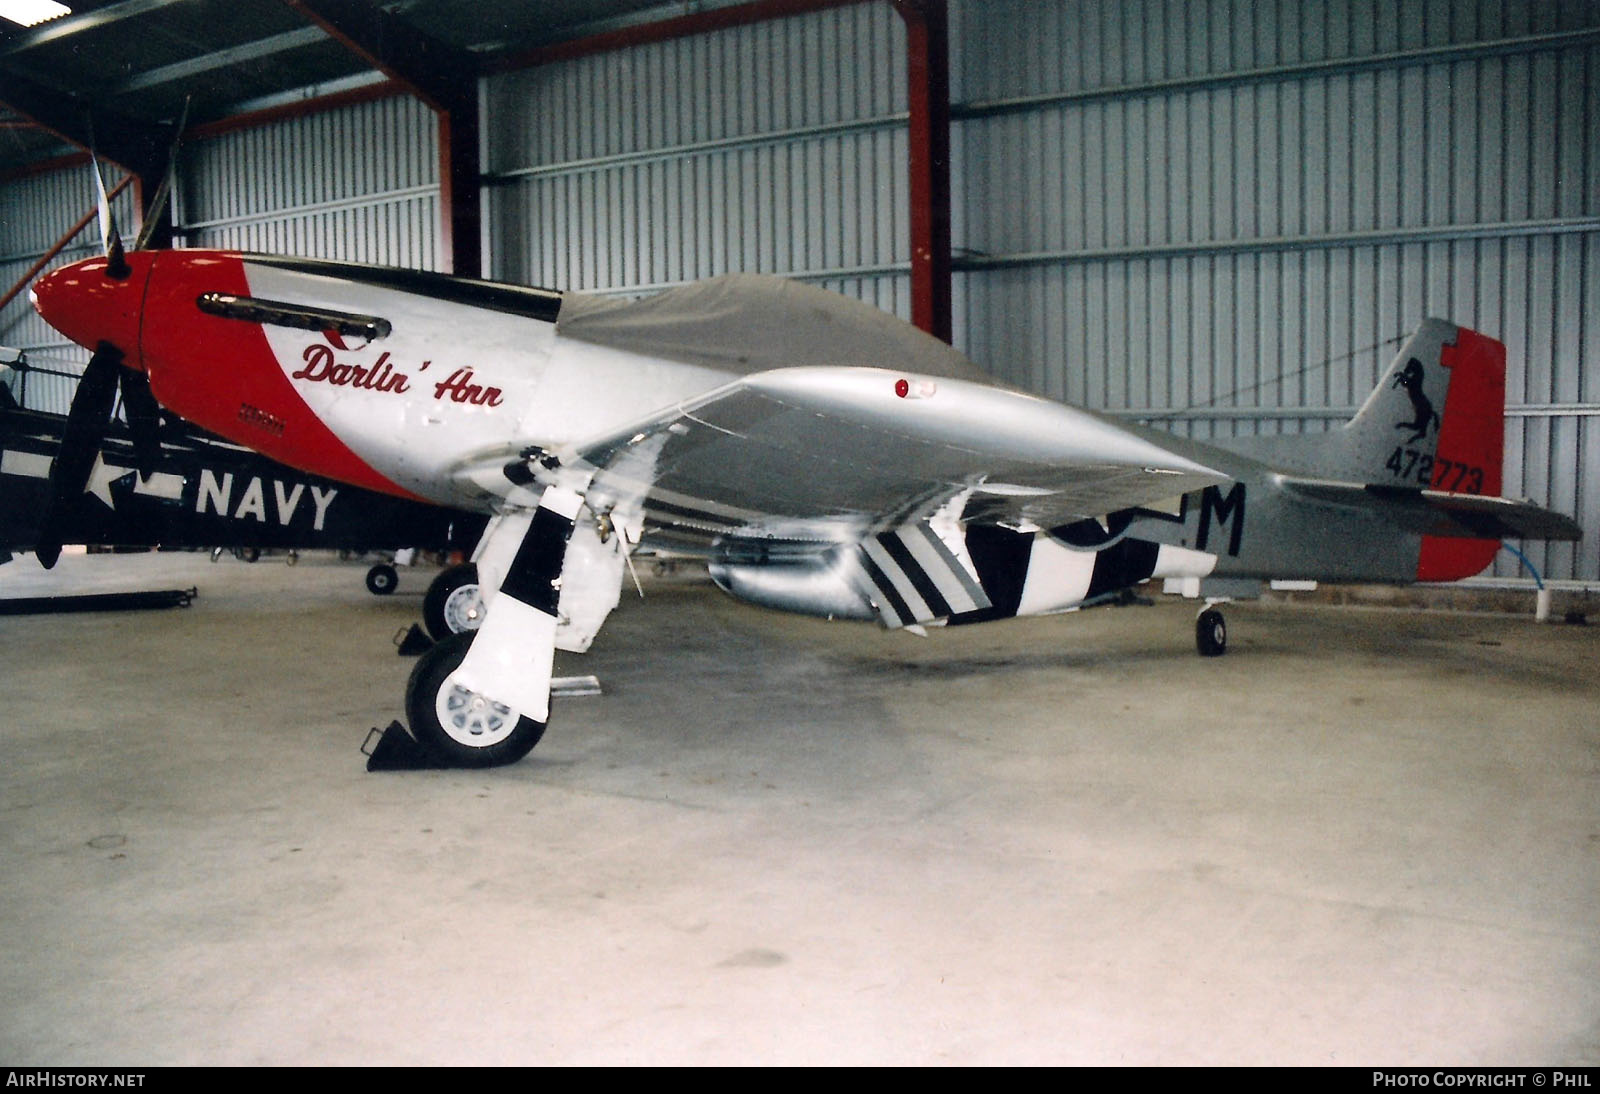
[
  {"x": 1439, "y": 513},
  {"x": 835, "y": 452}
]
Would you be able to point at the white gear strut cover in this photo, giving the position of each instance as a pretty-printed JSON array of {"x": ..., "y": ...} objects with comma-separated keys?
[
  {"x": 591, "y": 584},
  {"x": 512, "y": 655}
]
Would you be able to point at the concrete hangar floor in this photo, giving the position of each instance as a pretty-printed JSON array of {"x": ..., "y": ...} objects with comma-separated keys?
[{"x": 1362, "y": 837}]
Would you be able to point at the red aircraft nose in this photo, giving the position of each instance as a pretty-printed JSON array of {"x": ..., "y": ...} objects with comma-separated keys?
[{"x": 89, "y": 306}]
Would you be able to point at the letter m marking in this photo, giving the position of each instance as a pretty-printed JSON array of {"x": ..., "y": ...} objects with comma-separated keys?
[{"x": 1229, "y": 513}]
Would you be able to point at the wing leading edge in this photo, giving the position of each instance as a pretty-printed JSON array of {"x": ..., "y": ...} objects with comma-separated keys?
[{"x": 834, "y": 453}]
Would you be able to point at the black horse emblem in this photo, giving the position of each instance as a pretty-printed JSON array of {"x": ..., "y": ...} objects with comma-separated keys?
[{"x": 1410, "y": 378}]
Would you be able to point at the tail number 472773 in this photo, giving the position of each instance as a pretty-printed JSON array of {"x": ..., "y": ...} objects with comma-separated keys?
[{"x": 1437, "y": 473}]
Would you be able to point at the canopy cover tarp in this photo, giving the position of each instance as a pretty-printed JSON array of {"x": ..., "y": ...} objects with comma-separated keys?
[{"x": 746, "y": 323}]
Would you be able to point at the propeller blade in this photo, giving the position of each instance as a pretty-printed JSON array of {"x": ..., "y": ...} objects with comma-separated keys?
[
  {"x": 144, "y": 419},
  {"x": 158, "y": 204},
  {"x": 80, "y": 446},
  {"x": 110, "y": 238},
  {"x": 103, "y": 204},
  {"x": 153, "y": 217}
]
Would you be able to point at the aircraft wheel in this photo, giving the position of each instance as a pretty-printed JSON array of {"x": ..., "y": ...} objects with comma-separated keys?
[
  {"x": 460, "y": 726},
  {"x": 247, "y": 554},
  {"x": 454, "y": 602},
  {"x": 382, "y": 579},
  {"x": 1211, "y": 633}
]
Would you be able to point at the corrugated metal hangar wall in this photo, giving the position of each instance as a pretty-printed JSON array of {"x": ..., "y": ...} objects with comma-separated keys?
[
  {"x": 779, "y": 147},
  {"x": 1220, "y": 217},
  {"x": 359, "y": 183}
]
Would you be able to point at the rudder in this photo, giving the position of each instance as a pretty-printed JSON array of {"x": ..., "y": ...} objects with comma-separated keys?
[
  {"x": 1436, "y": 421},
  {"x": 1470, "y": 449}
]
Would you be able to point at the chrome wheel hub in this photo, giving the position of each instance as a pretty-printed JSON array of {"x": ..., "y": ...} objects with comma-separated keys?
[
  {"x": 463, "y": 609},
  {"x": 473, "y": 719}
]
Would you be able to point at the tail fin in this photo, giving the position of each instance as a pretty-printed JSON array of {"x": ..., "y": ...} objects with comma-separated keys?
[
  {"x": 1437, "y": 418},
  {"x": 1435, "y": 421}
]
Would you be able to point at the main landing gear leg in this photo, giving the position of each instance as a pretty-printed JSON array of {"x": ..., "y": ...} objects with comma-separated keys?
[{"x": 482, "y": 698}]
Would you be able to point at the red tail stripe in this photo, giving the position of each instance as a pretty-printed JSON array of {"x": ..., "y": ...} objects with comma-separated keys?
[{"x": 1471, "y": 435}]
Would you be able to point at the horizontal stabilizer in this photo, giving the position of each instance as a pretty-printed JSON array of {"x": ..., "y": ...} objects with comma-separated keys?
[{"x": 1439, "y": 513}]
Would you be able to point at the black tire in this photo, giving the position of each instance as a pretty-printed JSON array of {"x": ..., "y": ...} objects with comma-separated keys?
[
  {"x": 247, "y": 554},
  {"x": 452, "y": 604},
  {"x": 1211, "y": 633},
  {"x": 382, "y": 579},
  {"x": 509, "y": 736}
]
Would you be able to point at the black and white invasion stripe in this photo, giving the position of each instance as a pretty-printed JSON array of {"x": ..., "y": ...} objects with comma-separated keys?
[{"x": 911, "y": 576}]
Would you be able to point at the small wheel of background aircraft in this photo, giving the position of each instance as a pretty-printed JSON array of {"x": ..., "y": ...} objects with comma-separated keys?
[{"x": 382, "y": 579}]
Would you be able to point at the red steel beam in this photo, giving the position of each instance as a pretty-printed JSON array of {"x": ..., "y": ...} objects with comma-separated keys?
[
  {"x": 928, "y": 74},
  {"x": 461, "y": 189}
]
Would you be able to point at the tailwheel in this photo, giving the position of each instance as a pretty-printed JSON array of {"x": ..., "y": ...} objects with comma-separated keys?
[
  {"x": 462, "y": 727},
  {"x": 1211, "y": 633},
  {"x": 454, "y": 602}
]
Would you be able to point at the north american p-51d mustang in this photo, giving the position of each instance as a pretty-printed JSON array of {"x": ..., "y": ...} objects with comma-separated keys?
[{"x": 824, "y": 457}]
